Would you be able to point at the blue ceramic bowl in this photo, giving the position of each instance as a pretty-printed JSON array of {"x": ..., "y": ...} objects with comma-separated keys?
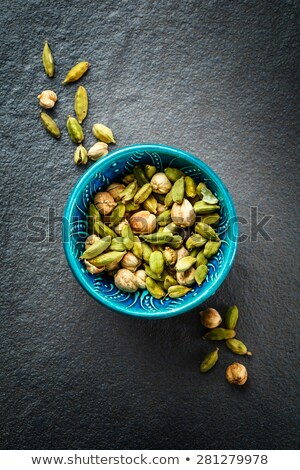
[{"x": 112, "y": 168}]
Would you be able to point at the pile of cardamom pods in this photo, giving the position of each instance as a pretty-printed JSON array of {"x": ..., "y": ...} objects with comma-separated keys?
[
  {"x": 47, "y": 100},
  {"x": 154, "y": 230},
  {"x": 236, "y": 373}
]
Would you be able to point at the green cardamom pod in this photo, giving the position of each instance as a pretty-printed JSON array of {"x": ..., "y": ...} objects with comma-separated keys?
[
  {"x": 201, "y": 273},
  {"x": 238, "y": 347},
  {"x": 211, "y": 248},
  {"x": 50, "y": 125},
  {"x": 149, "y": 171},
  {"x": 140, "y": 175},
  {"x": 168, "y": 200},
  {"x": 206, "y": 231},
  {"x": 150, "y": 204},
  {"x": 129, "y": 192},
  {"x": 207, "y": 196},
  {"x": 195, "y": 241},
  {"x": 178, "y": 191},
  {"x": 128, "y": 178},
  {"x": 75, "y": 130},
  {"x": 150, "y": 273},
  {"x": 210, "y": 219},
  {"x": 127, "y": 232},
  {"x": 103, "y": 230},
  {"x": 107, "y": 258},
  {"x": 81, "y": 155},
  {"x": 218, "y": 334},
  {"x": 185, "y": 263},
  {"x": 76, "y": 72},
  {"x": 158, "y": 238},
  {"x": 137, "y": 248},
  {"x": 201, "y": 259},
  {"x": 81, "y": 104},
  {"x": 146, "y": 251},
  {"x": 177, "y": 291},
  {"x": 209, "y": 361},
  {"x": 231, "y": 317},
  {"x": 131, "y": 207},
  {"x": 156, "y": 262},
  {"x": 93, "y": 216},
  {"x": 202, "y": 207},
  {"x": 190, "y": 187},
  {"x": 176, "y": 242},
  {"x": 159, "y": 197},
  {"x": 199, "y": 189},
  {"x": 169, "y": 281},
  {"x": 48, "y": 61},
  {"x": 117, "y": 244},
  {"x": 172, "y": 228},
  {"x": 96, "y": 248},
  {"x": 117, "y": 215},
  {"x": 143, "y": 193},
  {"x": 154, "y": 289},
  {"x": 164, "y": 218},
  {"x": 103, "y": 133},
  {"x": 194, "y": 252},
  {"x": 128, "y": 243},
  {"x": 173, "y": 174}
]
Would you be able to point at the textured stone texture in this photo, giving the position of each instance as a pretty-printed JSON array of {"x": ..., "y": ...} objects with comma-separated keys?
[{"x": 218, "y": 79}]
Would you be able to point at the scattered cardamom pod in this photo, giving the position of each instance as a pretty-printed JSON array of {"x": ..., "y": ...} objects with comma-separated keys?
[
  {"x": 48, "y": 60},
  {"x": 50, "y": 125},
  {"x": 210, "y": 318},
  {"x": 231, "y": 317},
  {"x": 201, "y": 259},
  {"x": 103, "y": 133},
  {"x": 150, "y": 204},
  {"x": 169, "y": 281},
  {"x": 47, "y": 99},
  {"x": 75, "y": 130},
  {"x": 207, "y": 196},
  {"x": 129, "y": 192},
  {"x": 237, "y": 347},
  {"x": 76, "y": 72},
  {"x": 219, "y": 334},
  {"x": 164, "y": 218},
  {"x": 146, "y": 252},
  {"x": 137, "y": 248},
  {"x": 236, "y": 374},
  {"x": 117, "y": 244},
  {"x": 81, "y": 104},
  {"x": 150, "y": 273},
  {"x": 210, "y": 219},
  {"x": 209, "y": 361},
  {"x": 80, "y": 155},
  {"x": 117, "y": 215},
  {"x": 206, "y": 231}
]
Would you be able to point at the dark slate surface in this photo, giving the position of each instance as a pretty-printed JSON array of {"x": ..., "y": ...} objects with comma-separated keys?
[{"x": 218, "y": 79}]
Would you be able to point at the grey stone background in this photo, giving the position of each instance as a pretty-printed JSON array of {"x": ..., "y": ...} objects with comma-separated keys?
[{"x": 220, "y": 80}]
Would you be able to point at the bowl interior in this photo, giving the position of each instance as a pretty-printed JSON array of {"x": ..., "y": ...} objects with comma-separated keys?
[{"x": 112, "y": 168}]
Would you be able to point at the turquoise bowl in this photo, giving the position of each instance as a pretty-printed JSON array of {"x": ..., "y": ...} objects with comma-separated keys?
[{"x": 112, "y": 168}]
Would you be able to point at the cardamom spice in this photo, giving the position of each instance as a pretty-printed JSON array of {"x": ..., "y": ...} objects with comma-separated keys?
[
  {"x": 178, "y": 191},
  {"x": 80, "y": 155},
  {"x": 185, "y": 263},
  {"x": 143, "y": 193},
  {"x": 211, "y": 249},
  {"x": 219, "y": 334},
  {"x": 177, "y": 291},
  {"x": 50, "y": 125},
  {"x": 103, "y": 133},
  {"x": 107, "y": 258},
  {"x": 206, "y": 231},
  {"x": 231, "y": 317},
  {"x": 173, "y": 174},
  {"x": 154, "y": 289},
  {"x": 156, "y": 262},
  {"x": 96, "y": 248},
  {"x": 140, "y": 175},
  {"x": 190, "y": 187},
  {"x": 209, "y": 361},
  {"x": 202, "y": 207},
  {"x": 149, "y": 171},
  {"x": 76, "y": 72},
  {"x": 201, "y": 273},
  {"x": 237, "y": 347},
  {"x": 81, "y": 104},
  {"x": 48, "y": 60},
  {"x": 75, "y": 130}
]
